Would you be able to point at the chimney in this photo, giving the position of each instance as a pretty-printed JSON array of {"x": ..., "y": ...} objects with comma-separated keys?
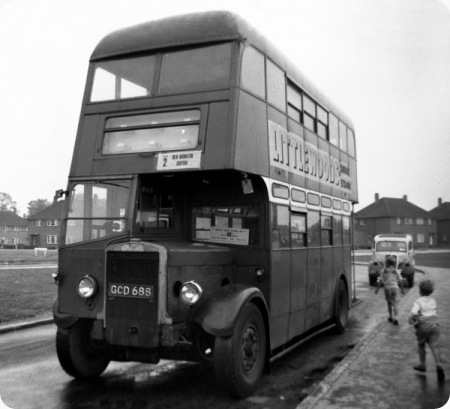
[
  {"x": 405, "y": 197},
  {"x": 440, "y": 201},
  {"x": 377, "y": 196}
]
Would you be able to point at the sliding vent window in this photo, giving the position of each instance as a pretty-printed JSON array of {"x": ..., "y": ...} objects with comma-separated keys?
[
  {"x": 158, "y": 132},
  {"x": 126, "y": 78}
]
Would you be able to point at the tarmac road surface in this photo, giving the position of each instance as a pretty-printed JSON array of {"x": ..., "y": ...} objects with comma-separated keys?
[{"x": 31, "y": 377}]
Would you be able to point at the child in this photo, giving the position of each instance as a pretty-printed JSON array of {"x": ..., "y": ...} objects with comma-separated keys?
[
  {"x": 392, "y": 281},
  {"x": 424, "y": 318}
]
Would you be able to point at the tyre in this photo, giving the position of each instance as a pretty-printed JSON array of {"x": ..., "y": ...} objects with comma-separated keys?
[
  {"x": 239, "y": 360},
  {"x": 341, "y": 315},
  {"x": 78, "y": 354}
]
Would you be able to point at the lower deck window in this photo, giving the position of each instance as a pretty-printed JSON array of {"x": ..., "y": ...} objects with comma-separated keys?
[{"x": 230, "y": 225}]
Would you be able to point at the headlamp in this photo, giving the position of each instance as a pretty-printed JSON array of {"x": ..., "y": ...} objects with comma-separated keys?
[
  {"x": 87, "y": 287},
  {"x": 190, "y": 292}
]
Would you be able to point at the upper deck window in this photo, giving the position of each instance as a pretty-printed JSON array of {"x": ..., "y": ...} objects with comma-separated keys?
[
  {"x": 351, "y": 142},
  {"x": 334, "y": 130},
  {"x": 253, "y": 76},
  {"x": 342, "y": 136},
  {"x": 194, "y": 69},
  {"x": 125, "y": 78},
  {"x": 276, "y": 86}
]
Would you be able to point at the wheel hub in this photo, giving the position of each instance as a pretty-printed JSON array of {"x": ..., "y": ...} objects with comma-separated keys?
[{"x": 249, "y": 349}]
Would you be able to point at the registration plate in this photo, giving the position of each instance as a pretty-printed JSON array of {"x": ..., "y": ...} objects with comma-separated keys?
[{"x": 131, "y": 291}]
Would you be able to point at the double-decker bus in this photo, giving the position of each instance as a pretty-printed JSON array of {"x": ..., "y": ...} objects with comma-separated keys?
[{"x": 208, "y": 211}]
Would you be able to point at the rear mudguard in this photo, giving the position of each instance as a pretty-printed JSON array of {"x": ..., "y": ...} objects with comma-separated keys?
[
  {"x": 218, "y": 314},
  {"x": 62, "y": 320}
]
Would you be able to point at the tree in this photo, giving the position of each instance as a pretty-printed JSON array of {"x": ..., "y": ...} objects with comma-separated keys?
[
  {"x": 6, "y": 202},
  {"x": 35, "y": 206}
]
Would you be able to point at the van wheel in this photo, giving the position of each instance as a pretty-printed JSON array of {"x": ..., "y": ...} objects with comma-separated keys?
[
  {"x": 78, "y": 354},
  {"x": 239, "y": 360},
  {"x": 341, "y": 316}
]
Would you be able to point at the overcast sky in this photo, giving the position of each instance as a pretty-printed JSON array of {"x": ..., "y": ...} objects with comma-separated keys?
[{"x": 386, "y": 63}]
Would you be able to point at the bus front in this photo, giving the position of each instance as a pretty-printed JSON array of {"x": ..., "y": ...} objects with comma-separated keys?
[{"x": 157, "y": 224}]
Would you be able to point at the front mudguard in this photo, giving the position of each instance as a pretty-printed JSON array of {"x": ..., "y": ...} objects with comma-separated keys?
[
  {"x": 218, "y": 314},
  {"x": 62, "y": 320},
  {"x": 407, "y": 269}
]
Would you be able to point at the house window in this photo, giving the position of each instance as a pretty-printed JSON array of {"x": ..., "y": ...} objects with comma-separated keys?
[
  {"x": 420, "y": 221},
  {"x": 52, "y": 222},
  {"x": 408, "y": 220},
  {"x": 362, "y": 222},
  {"x": 52, "y": 239},
  {"x": 399, "y": 220},
  {"x": 38, "y": 222},
  {"x": 420, "y": 238},
  {"x": 15, "y": 240},
  {"x": 429, "y": 221}
]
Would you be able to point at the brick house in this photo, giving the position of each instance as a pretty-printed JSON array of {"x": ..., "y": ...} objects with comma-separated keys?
[
  {"x": 441, "y": 214},
  {"x": 391, "y": 215},
  {"x": 13, "y": 230},
  {"x": 44, "y": 226}
]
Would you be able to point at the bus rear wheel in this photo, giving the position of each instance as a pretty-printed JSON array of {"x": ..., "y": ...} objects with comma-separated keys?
[
  {"x": 239, "y": 360},
  {"x": 341, "y": 315},
  {"x": 78, "y": 354}
]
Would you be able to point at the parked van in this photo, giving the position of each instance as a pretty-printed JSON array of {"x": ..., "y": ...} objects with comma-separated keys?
[{"x": 398, "y": 246}]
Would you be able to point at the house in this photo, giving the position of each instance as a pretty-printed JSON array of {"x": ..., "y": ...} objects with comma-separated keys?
[
  {"x": 13, "y": 230},
  {"x": 392, "y": 215},
  {"x": 44, "y": 226},
  {"x": 441, "y": 214}
]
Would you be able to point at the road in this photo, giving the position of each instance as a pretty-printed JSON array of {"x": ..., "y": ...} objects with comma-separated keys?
[{"x": 31, "y": 378}]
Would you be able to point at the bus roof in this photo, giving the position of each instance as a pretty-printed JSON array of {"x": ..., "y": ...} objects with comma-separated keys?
[{"x": 201, "y": 28}]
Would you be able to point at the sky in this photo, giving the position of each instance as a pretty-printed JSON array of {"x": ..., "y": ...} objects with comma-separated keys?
[{"x": 386, "y": 63}]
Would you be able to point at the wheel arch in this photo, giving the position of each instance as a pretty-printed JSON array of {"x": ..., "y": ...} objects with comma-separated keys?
[
  {"x": 218, "y": 314},
  {"x": 62, "y": 320},
  {"x": 337, "y": 315}
]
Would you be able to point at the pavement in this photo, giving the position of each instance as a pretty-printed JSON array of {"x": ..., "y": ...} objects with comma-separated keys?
[
  {"x": 378, "y": 372},
  {"x": 27, "y": 323}
]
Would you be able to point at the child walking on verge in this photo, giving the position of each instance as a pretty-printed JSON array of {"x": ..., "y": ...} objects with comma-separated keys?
[
  {"x": 424, "y": 318},
  {"x": 392, "y": 281}
]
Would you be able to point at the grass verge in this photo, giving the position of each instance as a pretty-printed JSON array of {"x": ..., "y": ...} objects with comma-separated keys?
[{"x": 26, "y": 293}]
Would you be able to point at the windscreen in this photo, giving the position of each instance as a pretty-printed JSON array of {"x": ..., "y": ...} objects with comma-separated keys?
[
  {"x": 97, "y": 210},
  {"x": 398, "y": 246}
]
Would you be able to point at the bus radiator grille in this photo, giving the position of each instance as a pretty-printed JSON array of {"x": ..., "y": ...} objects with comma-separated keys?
[{"x": 130, "y": 318}]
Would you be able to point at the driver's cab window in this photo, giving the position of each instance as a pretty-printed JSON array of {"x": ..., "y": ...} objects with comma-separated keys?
[{"x": 156, "y": 207}]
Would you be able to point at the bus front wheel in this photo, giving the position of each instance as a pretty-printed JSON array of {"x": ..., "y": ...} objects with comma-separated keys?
[
  {"x": 239, "y": 360},
  {"x": 341, "y": 315},
  {"x": 78, "y": 354}
]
